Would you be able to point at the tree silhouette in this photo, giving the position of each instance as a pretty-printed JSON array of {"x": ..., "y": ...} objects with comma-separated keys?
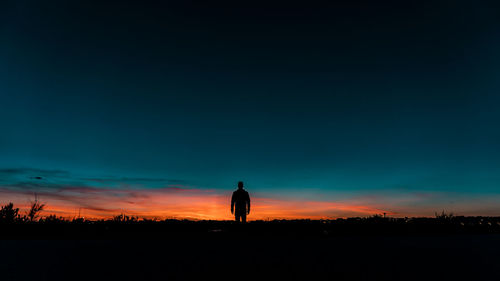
[
  {"x": 9, "y": 214},
  {"x": 35, "y": 209}
]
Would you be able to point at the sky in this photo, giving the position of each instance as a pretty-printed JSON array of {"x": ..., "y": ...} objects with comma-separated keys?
[{"x": 324, "y": 109}]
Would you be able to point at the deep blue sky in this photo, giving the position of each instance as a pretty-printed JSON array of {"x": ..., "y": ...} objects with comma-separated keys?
[{"x": 325, "y": 101}]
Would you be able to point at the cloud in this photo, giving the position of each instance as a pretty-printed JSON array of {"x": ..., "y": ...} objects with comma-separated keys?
[
  {"x": 32, "y": 178},
  {"x": 67, "y": 195},
  {"x": 180, "y": 202},
  {"x": 32, "y": 171},
  {"x": 134, "y": 180}
]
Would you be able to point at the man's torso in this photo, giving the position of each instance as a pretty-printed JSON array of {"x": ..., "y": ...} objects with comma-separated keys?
[{"x": 240, "y": 199}]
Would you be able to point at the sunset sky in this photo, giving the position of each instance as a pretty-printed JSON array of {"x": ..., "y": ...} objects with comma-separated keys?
[{"x": 337, "y": 109}]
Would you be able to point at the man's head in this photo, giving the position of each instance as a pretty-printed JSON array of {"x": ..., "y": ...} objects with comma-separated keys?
[{"x": 240, "y": 185}]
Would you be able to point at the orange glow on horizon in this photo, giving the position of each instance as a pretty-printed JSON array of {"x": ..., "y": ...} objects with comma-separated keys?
[{"x": 179, "y": 203}]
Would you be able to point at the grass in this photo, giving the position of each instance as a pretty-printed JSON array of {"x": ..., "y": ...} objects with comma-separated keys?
[{"x": 33, "y": 225}]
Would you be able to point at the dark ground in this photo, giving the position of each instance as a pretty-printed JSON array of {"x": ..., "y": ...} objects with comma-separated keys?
[{"x": 244, "y": 256}]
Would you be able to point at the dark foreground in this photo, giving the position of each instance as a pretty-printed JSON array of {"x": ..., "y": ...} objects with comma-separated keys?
[
  {"x": 460, "y": 257},
  {"x": 230, "y": 252}
]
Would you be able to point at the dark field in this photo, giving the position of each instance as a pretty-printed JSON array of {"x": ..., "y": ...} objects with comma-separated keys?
[
  {"x": 464, "y": 257},
  {"x": 301, "y": 250}
]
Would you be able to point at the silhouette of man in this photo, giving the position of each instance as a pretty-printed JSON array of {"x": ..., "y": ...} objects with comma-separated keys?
[{"x": 240, "y": 200}]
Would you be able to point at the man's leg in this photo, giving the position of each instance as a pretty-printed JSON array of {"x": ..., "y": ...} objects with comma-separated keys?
[
  {"x": 237, "y": 216},
  {"x": 244, "y": 218}
]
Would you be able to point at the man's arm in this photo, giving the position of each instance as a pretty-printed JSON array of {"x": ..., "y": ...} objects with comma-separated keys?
[
  {"x": 232, "y": 204},
  {"x": 248, "y": 203}
]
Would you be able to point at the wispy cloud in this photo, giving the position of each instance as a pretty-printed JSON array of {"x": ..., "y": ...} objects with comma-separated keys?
[
  {"x": 32, "y": 172},
  {"x": 28, "y": 177},
  {"x": 134, "y": 180},
  {"x": 102, "y": 197},
  {"x": 178, "y": 202}
]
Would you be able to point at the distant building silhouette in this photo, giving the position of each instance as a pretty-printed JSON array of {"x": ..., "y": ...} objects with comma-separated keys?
[{"x": 240, "y": 203}]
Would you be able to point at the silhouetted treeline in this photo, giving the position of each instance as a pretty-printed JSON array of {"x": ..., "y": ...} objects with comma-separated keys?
[{"x": 14, "y": 225}]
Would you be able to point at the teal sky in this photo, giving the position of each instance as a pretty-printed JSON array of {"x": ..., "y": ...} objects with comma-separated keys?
[{"x": 393, "y": 105}]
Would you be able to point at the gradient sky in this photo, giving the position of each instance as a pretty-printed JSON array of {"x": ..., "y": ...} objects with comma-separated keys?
[{"x": 158, "y": 108}]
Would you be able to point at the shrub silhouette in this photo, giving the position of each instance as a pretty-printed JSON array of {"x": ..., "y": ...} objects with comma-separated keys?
[
  {"x": 444, "y": 216},
  {"x": 35, "y": 209},
  {"x": 9, "y": 214},
  {"x": 52, "y": 219},
  {"x": 16, "y": 225},
  {"x": 125, "y": 218}
]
